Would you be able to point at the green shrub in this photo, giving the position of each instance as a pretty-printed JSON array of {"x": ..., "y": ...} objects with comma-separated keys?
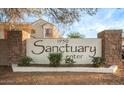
[
  {"x": 98, "y": 61},
  {"x": 25, "y": 61},
  {"x": 69, "y": 61},
  {"x": 55, "y": 59},
  {"x": 75, "y": 35}
]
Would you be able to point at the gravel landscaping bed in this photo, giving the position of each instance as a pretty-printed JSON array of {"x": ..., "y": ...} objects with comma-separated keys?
[{"x": 67, "y": 78}]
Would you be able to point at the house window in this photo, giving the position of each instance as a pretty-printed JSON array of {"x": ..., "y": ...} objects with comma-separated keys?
[
  {"x": 33, "y": 31},
  {"x": 48, "y": 32}
]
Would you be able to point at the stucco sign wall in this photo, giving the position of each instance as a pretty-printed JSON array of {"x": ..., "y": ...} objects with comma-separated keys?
[{"x": 80, "y": 50}]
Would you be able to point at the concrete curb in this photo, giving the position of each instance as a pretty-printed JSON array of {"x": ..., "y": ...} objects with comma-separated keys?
[{"x": 111, "y": 69}]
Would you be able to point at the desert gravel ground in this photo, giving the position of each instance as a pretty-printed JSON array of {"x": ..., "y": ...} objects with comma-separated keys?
[{"x": 7, "y": 77}]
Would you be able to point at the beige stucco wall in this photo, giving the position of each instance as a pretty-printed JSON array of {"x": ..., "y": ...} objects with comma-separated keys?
[
  {"x": 56, "y": 33},
  {"x": 40, "y": 26},
  {"x": 1, "y": 33},
  {"x": 25, "y": 35},
  {"x": 122, "y": 38},
  {"x": 37, "y": 26}
]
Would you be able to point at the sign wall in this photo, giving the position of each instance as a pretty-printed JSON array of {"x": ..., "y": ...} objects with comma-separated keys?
[{"x": 80, "y": 50}]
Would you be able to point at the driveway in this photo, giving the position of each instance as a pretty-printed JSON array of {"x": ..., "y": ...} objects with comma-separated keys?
[{"x": 67, "y": 78}]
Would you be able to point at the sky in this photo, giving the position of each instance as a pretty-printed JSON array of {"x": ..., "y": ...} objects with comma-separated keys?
[{"x": 105, "y": 18}]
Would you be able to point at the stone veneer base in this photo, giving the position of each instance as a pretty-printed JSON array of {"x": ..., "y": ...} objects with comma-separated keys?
[{"x": 111, "y": 69}]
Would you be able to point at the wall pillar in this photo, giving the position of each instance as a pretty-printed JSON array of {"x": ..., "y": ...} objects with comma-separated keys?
[
  {"x": 112, "y": 46},
  {"x": 16, "y": 45}
]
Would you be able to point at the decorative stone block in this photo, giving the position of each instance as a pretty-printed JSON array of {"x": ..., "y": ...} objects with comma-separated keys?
[{"x": 111, "y": 46}]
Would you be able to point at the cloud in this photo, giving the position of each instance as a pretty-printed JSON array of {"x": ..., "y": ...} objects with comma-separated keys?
[
  {"x": 108, "y": 14},
  {"x": 105, "y": 19},
  {"x": 98, "y": 27},
  {"x": 110, "y": 20}
]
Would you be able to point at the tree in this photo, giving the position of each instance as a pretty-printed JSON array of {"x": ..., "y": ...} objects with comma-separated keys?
[
  {"x": 56, "y": 15},
  {"x": 75, "y": 35}
]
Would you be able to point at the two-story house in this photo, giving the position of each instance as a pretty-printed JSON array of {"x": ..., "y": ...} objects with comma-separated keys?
[
  {"x": 13, "y": 44},
  {"x": 38, "y": 29},
  {"x": 44, "y": 29}
]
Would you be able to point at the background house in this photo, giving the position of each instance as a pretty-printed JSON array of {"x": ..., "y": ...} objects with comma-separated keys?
[
  {"x": 37, "y": 29},
  {"x": 44, "y": 29},
  {"x": 13, "y": 38},
  {"x": 12, "y": 41},
  {"x": 6, "y": 26}
]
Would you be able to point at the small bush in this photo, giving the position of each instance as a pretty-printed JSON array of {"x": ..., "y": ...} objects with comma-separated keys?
[
  {"x": 55, "y": 59},
  {"x": 98, "y": 61},
  {"x": 69, "y": 61},
  {"x": 25, "y": 61},
  {"x": 75, "y": 35}
]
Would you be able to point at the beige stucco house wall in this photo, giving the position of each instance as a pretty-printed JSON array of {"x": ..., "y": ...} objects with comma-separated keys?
[
  {"x": 44, "y": 29},
  {"x": 1, "y": 34},
  {"x": 123, "y": 38},
  {"x": 25, "y": 28}
]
